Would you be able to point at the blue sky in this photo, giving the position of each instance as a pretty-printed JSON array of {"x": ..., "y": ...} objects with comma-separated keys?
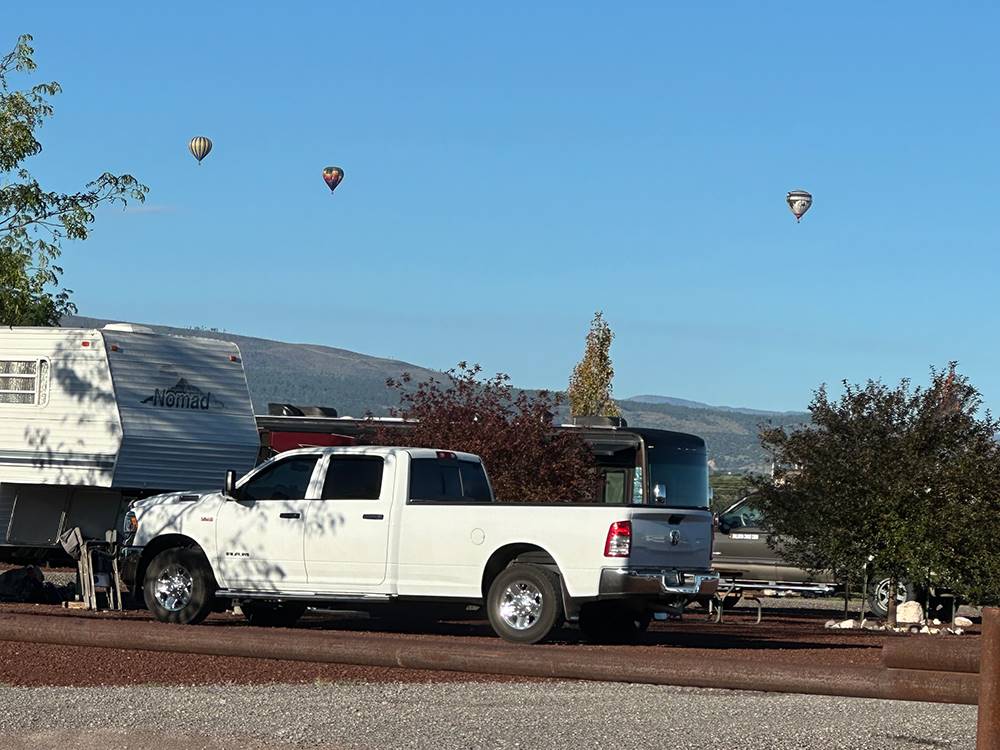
[{"x": 510, "y": 168}]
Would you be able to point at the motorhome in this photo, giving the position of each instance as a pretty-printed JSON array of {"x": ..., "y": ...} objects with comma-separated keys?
[{"x": 91, "y": 419}]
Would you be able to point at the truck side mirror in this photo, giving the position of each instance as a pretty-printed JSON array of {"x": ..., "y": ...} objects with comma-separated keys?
[{"x": 229, "y": 490}]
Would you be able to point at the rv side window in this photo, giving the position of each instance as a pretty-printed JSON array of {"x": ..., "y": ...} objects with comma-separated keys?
[
  {"x": 284, "y": 480},
  {"x": 353, "y": 478},
  {"x": 24, "y": 381}
]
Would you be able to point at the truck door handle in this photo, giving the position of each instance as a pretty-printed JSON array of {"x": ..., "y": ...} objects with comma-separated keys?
[
  {"x": 373, "y": 516},
  {"x": 291, "y": 515}
]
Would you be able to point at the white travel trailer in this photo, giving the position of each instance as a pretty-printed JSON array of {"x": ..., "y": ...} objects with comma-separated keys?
[{"x": 91, "y": 419}]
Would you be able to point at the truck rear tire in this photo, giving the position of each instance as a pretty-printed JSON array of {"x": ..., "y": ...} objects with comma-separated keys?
[
  {"x": 179, "y": 586},
  {"x": 524, "y": 603},
  {"x": 273, "y": 615}
]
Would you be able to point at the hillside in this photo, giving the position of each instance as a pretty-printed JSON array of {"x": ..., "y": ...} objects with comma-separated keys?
[{"x": 354, "y": 384}]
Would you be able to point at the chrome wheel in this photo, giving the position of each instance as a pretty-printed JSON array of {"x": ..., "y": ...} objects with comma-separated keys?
[
  {"x": 882, "y": 594},
  {"x": 521, "y": 605},
  {"x": 173, "y": 588}
]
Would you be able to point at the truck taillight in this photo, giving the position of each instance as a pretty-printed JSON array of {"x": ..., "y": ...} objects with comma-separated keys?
[{"x": 619, "y": 541}]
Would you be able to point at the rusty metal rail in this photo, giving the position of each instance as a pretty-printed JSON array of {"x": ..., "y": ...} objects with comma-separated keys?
[
  {"x": 950, "y": 672},
  {"x": 945, "y": 655},
  {"x": 499, "y": 658}
]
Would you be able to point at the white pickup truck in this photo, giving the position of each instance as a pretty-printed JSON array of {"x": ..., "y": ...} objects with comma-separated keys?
[{"x": 362, "y": 526}]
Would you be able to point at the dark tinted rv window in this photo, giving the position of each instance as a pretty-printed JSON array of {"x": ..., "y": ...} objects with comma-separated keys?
[
  {"x": 353, "y": 478},
  {"x": 682, "y": 475},
  {"x": 448, "y": 480},
  {"x": 284, "y": 480}
]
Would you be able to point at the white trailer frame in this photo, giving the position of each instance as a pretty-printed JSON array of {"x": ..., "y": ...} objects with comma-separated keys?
[{"x": 93, "y": 418}]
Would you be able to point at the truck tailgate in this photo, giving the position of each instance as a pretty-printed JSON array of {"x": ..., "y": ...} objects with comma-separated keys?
[{"x": 672, "y": 538}]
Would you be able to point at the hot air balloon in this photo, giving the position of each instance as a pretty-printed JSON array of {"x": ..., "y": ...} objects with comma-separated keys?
[
  {"x": 199, "y": 146},
  {"x": 332, "y": 176},
  {"x": 799, "y": 201}
]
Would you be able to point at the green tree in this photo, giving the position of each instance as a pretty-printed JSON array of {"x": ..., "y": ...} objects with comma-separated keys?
[
  {"x": 906, "y": 477},
  {"x": 34, "y": 221},
  {"x": 590, "y": 383}
]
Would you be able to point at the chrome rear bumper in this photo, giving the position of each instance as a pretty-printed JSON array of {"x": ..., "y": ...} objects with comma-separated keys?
[{"x": 646, "y": 582}]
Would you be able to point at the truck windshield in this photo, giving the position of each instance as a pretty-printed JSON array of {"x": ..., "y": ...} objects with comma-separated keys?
[{"x": 682, "y": 476}]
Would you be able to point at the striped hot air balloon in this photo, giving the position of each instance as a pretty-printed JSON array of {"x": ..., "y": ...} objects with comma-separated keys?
[
  {"x": 332, "y": 177},
  {"x": 799, "y": 202},
  {"x": 199, "y": 146}
]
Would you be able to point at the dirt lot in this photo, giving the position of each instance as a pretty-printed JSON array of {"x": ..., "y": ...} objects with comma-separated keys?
[{"x": 792, "y": 632}]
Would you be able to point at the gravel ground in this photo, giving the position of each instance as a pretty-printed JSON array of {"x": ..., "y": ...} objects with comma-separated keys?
[{"x": 551, "y": 716}]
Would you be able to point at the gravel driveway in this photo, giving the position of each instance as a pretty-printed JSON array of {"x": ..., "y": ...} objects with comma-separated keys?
[{"x": 549, "y": 716}]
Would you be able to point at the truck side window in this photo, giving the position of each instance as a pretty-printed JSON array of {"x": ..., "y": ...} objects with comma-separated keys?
[
  {"x": 448, "y": 480},
  {"x": 284, "y": 480},
  {"x": 474, "y": 484},
  {"x": 353, "y": 478}
]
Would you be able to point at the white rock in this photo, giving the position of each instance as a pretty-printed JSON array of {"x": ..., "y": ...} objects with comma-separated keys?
[
  {"x": 962, "y": 622},
  {"x": 830, "y": 623},
  {"x": 935, "y": 621},
  {"x": 910, "y": 613},
  {"x": 925, "y": 630},
  {"x": 845, "y": 625},
  {"x": 768, "y": 592}
]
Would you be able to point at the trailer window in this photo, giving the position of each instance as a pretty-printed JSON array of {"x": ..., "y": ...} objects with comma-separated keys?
[
  {"x": 353, "y": 478},
  {"x": 435, "y": 480},
  {"x": 24, "y": 381}
]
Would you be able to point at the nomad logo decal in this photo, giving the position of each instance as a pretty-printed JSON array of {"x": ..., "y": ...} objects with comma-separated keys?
[
  {"x": 237, "y": 554},
  {"x": 183, "y": 395}
]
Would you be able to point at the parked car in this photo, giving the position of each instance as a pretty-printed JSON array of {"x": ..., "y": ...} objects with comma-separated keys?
[
  {"x": 745, "y": 558},
  {"x": 372, "y": 525}
]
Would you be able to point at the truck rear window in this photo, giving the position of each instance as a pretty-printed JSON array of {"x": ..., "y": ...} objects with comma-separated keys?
[{"x": 437, "y": 480}]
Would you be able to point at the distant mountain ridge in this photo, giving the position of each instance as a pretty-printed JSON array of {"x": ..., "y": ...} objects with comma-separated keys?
[
  {"x": 354, "y": 384},
  {"x": 650, "y": 399}
]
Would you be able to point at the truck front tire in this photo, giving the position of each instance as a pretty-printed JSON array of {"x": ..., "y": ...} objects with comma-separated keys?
[
  {"x": 524, "y": 603},
  {"x": 179, "y": 586}
]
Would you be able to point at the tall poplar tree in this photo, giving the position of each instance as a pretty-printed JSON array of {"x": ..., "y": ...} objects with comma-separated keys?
[{"x": 590, "y": 383}]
